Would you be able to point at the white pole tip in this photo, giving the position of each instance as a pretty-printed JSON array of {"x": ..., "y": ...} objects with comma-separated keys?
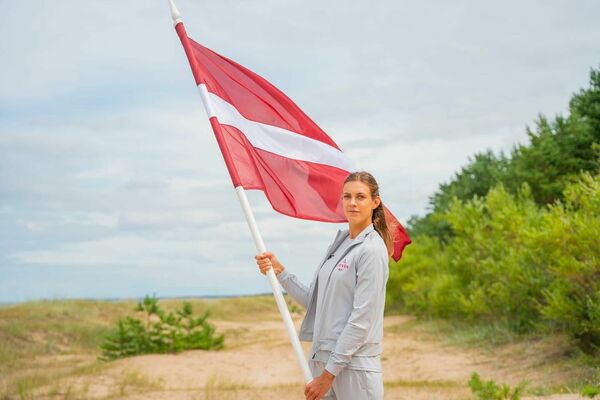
[{"x": 175, "y": 13}]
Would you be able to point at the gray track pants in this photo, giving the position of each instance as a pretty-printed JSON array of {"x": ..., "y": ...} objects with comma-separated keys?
[{"x": 351, "y": 384}]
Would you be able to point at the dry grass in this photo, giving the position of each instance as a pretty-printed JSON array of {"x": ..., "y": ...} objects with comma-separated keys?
[
  {"x": 134, "y": 381},
  {"x": 218, "y": 387}
]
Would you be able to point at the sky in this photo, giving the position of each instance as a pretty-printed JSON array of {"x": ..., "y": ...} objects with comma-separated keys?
[{"x": 111, "y": 183}]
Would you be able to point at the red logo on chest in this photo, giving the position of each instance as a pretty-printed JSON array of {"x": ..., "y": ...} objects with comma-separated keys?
[{"x": 343, "y": 265}]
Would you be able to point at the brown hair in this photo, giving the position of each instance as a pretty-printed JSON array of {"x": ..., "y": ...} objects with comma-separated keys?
[{"x": 378, "y": 217}]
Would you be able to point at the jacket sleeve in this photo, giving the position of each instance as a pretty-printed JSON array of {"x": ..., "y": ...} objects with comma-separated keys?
[
  {"x": 294, "y": 287},
  {"x": 371, "y": 270}
]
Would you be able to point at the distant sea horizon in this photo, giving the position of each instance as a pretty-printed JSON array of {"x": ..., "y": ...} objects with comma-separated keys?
[{"x": 117, "y": 299}]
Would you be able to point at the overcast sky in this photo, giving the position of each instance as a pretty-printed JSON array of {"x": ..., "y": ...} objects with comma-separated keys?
[{"x": 111, "y": 184}]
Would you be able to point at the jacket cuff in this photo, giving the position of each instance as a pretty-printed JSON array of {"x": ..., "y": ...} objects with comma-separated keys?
[
  {"x": 334, "y": 368},
  {"x": 283, "y": 275}
]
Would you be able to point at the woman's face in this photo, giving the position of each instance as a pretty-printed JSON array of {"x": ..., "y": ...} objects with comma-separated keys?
[{"x": 358, "y": 203}]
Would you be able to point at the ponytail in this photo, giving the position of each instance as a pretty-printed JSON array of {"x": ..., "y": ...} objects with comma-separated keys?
[{"x": 380, "y": 225}]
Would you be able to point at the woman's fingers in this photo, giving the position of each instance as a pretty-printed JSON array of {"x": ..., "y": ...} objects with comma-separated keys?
[
  {"x": 264, "y": 267},
  {"x": 266, "y": 254},
  {"x": 268, "y": 260},
  {"x": 310, "y": 393},
  {"x": 263, "y": 264}
]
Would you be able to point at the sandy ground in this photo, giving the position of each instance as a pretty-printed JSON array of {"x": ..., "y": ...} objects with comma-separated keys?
[{"x": 258, "y": 363}]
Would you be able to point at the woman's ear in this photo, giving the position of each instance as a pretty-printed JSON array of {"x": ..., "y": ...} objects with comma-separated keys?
[{"x": 377, "y": 202}]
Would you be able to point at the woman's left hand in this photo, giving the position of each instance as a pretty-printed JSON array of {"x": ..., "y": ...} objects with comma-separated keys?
[{"x": 317, "y": 388}]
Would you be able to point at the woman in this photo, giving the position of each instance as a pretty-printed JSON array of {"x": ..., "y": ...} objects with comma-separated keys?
[{"x": 345, "y": 301}]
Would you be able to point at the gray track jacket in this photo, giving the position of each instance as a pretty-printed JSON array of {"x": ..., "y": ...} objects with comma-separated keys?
[{"x": 350, "y": 331}]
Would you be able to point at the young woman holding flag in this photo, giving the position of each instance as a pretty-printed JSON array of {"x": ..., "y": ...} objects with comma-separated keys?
[{"x": 345, "y": 300}]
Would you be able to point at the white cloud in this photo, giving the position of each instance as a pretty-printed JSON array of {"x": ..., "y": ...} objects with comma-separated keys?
[
  {"x": 83, "y": 220},
  {"x": 119, "y": 249}
]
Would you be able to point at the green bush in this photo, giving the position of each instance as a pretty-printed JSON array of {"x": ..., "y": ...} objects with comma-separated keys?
[
  {"x": 485, "y": 272},
  {"x": 490, "y": 390},
  {"x": 511, "y": 262},
  {"x": 161, "y": 332},
  {"x": 590, "y": 391},
  {"x": 572, "y": 301},
  {"x": 491, "y": 257},
  {"x": 421, "y": 282},
  {"x": 592, "y": 388}
]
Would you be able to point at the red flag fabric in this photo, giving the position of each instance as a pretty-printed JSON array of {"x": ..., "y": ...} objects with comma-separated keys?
[{"x": 270, "y": 144}]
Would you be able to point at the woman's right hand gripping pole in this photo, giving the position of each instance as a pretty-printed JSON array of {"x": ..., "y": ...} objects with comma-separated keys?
[{"x": 268, "y": 260}]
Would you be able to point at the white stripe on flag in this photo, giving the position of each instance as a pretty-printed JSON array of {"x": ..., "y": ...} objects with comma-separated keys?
[{"x": 272, "y": 138}]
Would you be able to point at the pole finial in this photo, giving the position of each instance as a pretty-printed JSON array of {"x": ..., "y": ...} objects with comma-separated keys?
[{"x": 175, "y": 13}]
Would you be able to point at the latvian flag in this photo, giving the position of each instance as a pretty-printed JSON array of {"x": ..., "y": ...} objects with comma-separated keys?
[{"x": 269, "y": 144}]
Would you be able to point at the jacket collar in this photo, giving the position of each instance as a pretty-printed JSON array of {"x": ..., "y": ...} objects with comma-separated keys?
[
  {"x": 343, "y": 233},
  {"x": 363, "y": 234}
]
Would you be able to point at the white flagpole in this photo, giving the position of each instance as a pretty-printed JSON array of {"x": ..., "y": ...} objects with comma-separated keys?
[
  {"x": 259, "y": 243},
  {"x": 281, "y": 304}
]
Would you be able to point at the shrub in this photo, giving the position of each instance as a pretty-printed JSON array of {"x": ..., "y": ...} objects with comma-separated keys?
[
  {"x": 160, "y": 332},
  {"x": 512, "y": 262},
  {"x": 490, "y": 258},
  {"x": 572, "y": 301},
  {"x": 490, "y": 390},
  {"x": 590, "y": 391}
]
